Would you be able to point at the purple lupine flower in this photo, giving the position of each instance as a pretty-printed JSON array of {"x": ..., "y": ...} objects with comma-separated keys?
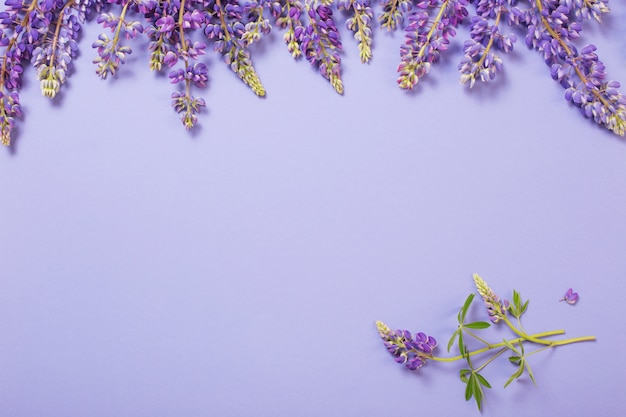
[
  {"x": 165, "y": 24},
  {"x": 552, "y": 28},
  {"x": 496, "y": 308},
  {"x": 481, "y": 60},
  {"x": 394, "y": 11},
  {"x": 193, "y": 19},
  {"x": 406, "y": 349},
  {"x": 111, "y": 54},
  {"x": 570, "y": 297},
  {"x": 321, "y": 44},
  {"x": 188, "y": 107},
  {"x": 290, "y": 19},
  {"x": 230, "y": 32},
  {"x": 360, "y": 23},
  {"x": 426, "y": 38}
]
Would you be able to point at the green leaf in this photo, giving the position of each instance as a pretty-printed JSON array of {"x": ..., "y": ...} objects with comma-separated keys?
[
  {"x": 477, "y": 325},
  {"x": 524, "y": 307},
  {"x": 477, "y": 390},
  {"x": 515, "y": 359},
  {"x": 483, "y": 381},
  {"x": 462, "y": 349},
  {"x": 466, "y": 305},
  {"x": 530, "y": 373},
  {"x": 453, "y": 338},
  {"x": 463, "y": 374},
  {"x": 469, "y": 389},
  {"x": 510, "y": 346},
  {"x": 516, "y": 374},
  {"x": 517, "y": 299}
]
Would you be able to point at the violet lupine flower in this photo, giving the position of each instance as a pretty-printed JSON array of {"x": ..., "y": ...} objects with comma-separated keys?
[
  {"x": 166, "y": 30},
  {"x": 570, "y": 297},
  {"x": 321, "y": 44},
  {"x": 188, "y": 107},
  {"x": 290, "y": 19},
  {"x": 9, "y": 110},
  {"x": 552, "y": 29},
  {"x": 426, "y": 38},
  {"x": 480, "y": 61},
  {"x": 586, "y": 9},
  {"x": 227, "y": 31},
  {"x": 406, "y": 349},
  {"x": 22, "y": 27},
  {"x": 195, "y": 74},
  {"x": 393, "y": 13},
  {"x": 256, "y": 24},
  {"x": 111, "y": 54},
  {"x": 52, "y": 59},
  {"x": 496, "y": 308},
  {"x": 360, "y": 23},
  {"x": 161, "y": 31}
]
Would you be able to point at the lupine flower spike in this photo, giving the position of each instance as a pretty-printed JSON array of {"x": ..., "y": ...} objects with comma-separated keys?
[
  {"x": 496, "y": 308},
  {"x": 414, "y": 350}
]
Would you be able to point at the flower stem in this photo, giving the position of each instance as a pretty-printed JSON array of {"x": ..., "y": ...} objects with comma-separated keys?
[{"x": 535, "y": 338}]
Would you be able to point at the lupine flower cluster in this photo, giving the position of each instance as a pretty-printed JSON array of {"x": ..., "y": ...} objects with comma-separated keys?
[
  {"x": 415, "y": 351},
  {"x": 45, "y": 34}
]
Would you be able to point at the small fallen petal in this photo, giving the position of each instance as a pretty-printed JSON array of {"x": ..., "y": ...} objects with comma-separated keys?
[{"x": 570, "y": 297}]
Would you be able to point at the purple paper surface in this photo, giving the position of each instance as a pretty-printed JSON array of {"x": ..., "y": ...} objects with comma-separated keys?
[{"x": 238, "y": 270}]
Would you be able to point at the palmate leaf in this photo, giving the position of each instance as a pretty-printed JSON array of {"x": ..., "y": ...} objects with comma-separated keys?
[
  {"x": 475, "y": 383},
  {"x": 518, "y": 307}
]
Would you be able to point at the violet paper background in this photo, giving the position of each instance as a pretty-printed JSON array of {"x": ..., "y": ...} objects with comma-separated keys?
[{"x": 238, "y": 270}]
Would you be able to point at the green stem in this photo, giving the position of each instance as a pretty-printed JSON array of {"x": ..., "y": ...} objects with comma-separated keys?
[
  {"x": 477, "y": 338},
  {"x": 498, "y": 353},
  {"x": 525, "y": 338},
  {"x": 524, "y": 334}
]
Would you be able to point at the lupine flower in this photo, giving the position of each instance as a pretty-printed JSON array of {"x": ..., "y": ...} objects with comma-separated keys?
[
  {"x": 321, "y": 44},
  {"x": 570, "y": 297},
  {"x": 496, "y": 308},
  {"x": 552, "y": 28},
  {"x": 393, "y": 12},
  {"x": 111, "y": 54},
  {"x": 406, "y": 349},
  {"x": 229, "y": 30},
  {"x": 480, "y": 60},
  {"x": 290, "y": 19},
  {"x": 360, "y": 23},
  {"x": 426, "y": 38}
]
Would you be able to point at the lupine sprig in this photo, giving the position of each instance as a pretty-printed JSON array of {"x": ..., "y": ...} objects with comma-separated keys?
[
  {"x": 415, "y": 351},
  {"x": 45, "y": 35},
  {"x": 289, "y": 19},
  {"x": 553, "y": 25},
  {"x": 360, "y": 23},
  {"x": 426, "y": 37},
  {"x": 480, "y": 59},
  {"x": 393, "y": 13},
  {"x": 111, "y": 53},
  {"x": 321, "y": 44},
  {"x": 229, "y": 31}
]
